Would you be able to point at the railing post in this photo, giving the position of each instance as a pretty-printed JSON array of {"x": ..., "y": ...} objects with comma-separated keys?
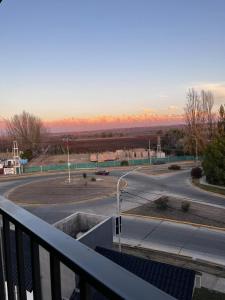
[
  {"x": 85, "y": 290},
  {"x": 36, "y": 277},
  {"x": 20, "y": 264},
  {"x": 55, "y": 277},
  {"x": 2, "y": 281},
  {"x": 8, "y": 258}
]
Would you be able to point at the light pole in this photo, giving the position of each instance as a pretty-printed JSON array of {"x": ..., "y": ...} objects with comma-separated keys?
[
  {"x": 68, "y": 157},
  {"x": 149, "y": 152},
  {"x": 118, "y": 218}
]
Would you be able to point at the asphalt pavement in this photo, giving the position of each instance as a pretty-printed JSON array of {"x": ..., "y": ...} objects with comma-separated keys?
[{"x": 194, "y": 241}]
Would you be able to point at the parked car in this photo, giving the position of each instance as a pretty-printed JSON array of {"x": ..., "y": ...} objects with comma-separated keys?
[{"x": 102, "y": 172}]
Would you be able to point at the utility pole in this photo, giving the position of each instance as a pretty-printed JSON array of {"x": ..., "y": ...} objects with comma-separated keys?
[
  {"x": 149, "y": 152},
  {"x": 16, "y": 158},
  {"x": 118, "y": 218},
  {"x": 68, "y": 157},
  {"x": 158, "y": 153}
]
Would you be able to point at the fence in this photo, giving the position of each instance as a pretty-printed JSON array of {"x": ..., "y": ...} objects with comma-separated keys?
[
  {"x": 106, "y": 164},
  {"x": 94, "y": 273}
]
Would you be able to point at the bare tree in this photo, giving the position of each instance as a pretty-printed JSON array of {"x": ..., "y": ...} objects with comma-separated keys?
[
  {"x": 27, "y": 129},
  {"x": 193, "y": 118},
  {"x": 208, "y": 114},
  {"x": 200, "y": 120}
]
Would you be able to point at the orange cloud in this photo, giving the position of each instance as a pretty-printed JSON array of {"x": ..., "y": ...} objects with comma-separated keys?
[{"x": 147, "y": 118}]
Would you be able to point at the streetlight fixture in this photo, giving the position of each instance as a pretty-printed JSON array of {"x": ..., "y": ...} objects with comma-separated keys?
[{"x": 118, "y": 218}]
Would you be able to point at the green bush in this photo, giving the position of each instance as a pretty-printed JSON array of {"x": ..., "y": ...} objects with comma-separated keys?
[
  {"x": 27, "y": 154},
  {"x": 214, "y": 162},
  {"x": 124, "y": 163},
  {"x": 185, "y": 206},
  {"x": 162, "y": 203},
  {"x": 174, "y": 167},
  {"x": 196, "y": 172}
]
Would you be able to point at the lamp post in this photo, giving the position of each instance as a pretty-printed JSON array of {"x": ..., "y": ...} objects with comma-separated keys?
[
  {"x": 149, "y": 152},
  {"x": 68, "y": 157},
  {"x": 118, "y": 218}
]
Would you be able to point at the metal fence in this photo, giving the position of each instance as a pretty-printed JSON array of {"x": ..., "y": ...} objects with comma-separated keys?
[
  {"x": 95, "y": 273},
  {"x": 106, "y": 164}
]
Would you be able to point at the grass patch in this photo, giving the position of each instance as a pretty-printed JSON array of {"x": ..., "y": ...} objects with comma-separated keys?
[
  {"x": 209, "y": 188},
  {"x": 205, "y": 294}
]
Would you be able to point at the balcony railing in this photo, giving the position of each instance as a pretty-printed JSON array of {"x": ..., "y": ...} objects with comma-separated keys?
[{"x": 94, "y": 271}]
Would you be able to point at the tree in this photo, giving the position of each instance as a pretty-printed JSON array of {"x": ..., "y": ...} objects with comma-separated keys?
[
  {"x": 200, "y": 120},
  {"x": 207, "y": 110},
  {"x": 172, "y": 141},
  {"x": 221, "y": 121},
  {"x": 27, "y": 129},
  {"x": 214, "y": 161}
]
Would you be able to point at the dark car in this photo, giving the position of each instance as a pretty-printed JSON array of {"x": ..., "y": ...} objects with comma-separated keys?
[
  {"x": 159, "y": 162},
  {"x": 102, "y": 172}
]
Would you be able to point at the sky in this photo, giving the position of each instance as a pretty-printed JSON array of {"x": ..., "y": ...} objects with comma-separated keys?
[{"x": 93, "y": 64}]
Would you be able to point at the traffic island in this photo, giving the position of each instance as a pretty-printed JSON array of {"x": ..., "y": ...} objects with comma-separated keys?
[
  {"x": 60, "y": 191},
  {"x": 182, "y": 211}
]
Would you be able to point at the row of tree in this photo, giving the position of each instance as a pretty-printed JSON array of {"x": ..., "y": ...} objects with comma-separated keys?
[
  {"x": 203, "y": 124},
  {"x": 205, "y": 134}
]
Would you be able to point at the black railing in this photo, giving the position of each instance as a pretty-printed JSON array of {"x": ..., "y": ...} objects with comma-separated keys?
[{"x": 94, "y": 271}]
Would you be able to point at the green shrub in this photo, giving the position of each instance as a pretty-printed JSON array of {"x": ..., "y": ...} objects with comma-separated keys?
[
  {"x": 27, "y": 154},
  {"x": 124, "y": 163},
  {"x": 185, "y": 206},
  {"x": 196, "y": 172},
  {"x": 162, "y": 203},
  {"x": 214, "y": 162},
  {"x": 174, "y": 167}
]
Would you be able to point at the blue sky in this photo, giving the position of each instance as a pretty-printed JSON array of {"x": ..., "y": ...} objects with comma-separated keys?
[{"x": 83, "y": 59}]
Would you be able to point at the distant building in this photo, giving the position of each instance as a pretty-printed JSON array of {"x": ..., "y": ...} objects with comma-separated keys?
[{"x": 137, "y": 153}]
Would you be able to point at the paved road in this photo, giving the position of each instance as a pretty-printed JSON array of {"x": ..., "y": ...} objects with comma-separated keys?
[
  {"x": 196, "y": 242},
  {"x": 193, "y": 241},
  {"x": 176, "y": 183}
]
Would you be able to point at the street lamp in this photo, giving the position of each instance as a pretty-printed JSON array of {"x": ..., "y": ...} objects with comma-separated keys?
[
  {"x": 68, "y": 157},
  {"x": 118, "y": 218},
  {"x": 149, "y": 152}
]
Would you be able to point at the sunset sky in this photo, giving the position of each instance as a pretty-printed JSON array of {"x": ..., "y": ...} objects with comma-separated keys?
[{"x": 93, "y": 64}]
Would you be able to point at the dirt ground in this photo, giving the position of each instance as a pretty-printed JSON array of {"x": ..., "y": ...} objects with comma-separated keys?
[
  {"x": 59, "y": 191},
  {"x": 198, "y": 213},
  {"x": 59, "y": 159}
]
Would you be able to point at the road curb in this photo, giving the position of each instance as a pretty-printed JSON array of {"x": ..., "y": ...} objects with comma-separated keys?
[
  {"x": 207, "y": 192},
  {"x": 174, "y": 221}
]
